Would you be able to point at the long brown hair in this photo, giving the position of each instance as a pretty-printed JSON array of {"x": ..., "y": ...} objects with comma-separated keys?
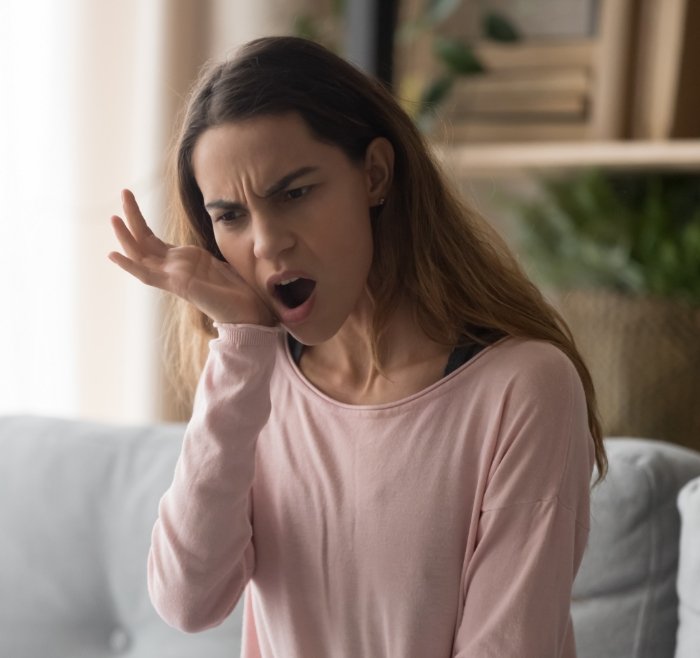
[{"x": 429, "y": 247}]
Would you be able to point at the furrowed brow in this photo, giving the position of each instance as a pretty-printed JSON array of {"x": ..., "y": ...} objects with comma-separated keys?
[
  {"x": 222, "y": 204},
  {"x": 282, "y": 183}
]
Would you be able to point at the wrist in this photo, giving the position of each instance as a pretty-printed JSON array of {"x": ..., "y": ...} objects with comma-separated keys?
[{"x": 240, "y": 333}]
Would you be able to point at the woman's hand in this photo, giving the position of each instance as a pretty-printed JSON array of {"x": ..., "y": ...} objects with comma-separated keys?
[{"x": 190, "y": 272}]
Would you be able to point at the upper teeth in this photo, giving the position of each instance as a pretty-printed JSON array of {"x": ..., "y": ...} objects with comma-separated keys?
[{"x": 286, "y": 281}]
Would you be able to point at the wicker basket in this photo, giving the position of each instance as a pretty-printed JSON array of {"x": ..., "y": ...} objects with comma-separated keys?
[{"x": 644, "y": 357}]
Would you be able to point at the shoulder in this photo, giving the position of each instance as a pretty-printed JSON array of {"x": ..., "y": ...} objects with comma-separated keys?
[
  {"x": 542, "y": 421},
  {"x": 530, "y": 368},
  {"x": 530, "y": 353}
]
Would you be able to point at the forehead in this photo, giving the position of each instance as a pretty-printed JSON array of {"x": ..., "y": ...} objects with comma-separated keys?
[{"x": 259, "y": 148}]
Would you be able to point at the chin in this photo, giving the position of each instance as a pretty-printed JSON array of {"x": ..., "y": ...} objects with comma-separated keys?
[{"x": 311, "y": 334}]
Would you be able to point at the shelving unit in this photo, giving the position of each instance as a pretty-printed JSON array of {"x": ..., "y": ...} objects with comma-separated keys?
[
  {"x": 637, "y": 73},
  {"x": 488, "y": 160}
]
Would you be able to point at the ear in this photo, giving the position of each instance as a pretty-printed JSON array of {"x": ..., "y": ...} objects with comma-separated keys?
[{"x": 379, "y": 169}]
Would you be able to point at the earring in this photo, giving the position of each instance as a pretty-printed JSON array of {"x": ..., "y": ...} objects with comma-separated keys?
[{"x": 381, "y": 201}]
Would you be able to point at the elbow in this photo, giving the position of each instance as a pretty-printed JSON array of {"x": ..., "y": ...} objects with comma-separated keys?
[
  {"x": 188, "y": 623},
  {"x": 181, "y": 613},
  {"x": 188, "y": 608}
]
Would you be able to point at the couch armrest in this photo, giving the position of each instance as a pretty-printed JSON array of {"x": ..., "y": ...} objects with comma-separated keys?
[
  {"x": 688, "y": 584},
  {"x": 624, "y": 597}
]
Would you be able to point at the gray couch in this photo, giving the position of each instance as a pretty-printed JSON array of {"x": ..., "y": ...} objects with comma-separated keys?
[{"x": 78, "y": 500}]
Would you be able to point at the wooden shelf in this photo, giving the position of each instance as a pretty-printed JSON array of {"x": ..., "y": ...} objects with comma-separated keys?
[{"x": 486, "y": 160}]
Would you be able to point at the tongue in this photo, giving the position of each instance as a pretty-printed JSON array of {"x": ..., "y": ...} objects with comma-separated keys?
[{"x": 296, "y": 293}]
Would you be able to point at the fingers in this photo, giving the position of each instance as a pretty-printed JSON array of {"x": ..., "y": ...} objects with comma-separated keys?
[
  {"x": 126, "y": 239},
  {"x": 144, "y": 251},
  {"x": 138, "y": 270},
  {"x": 135, "y": 219},
  {"x": 148, "y": 242}
]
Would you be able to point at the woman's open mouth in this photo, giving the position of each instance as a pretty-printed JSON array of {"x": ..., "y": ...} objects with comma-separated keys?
[
  {"x": 294, "y": 292},
  {"x": 296, "y": 299}
]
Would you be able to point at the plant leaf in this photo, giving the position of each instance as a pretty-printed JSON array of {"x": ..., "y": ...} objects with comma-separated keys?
[
  {"x": 498, "y": 27},
  {"x": 457, "y": 56},
  {"x": 632, "y": 232},
  {"x": 436, "y": 91}
]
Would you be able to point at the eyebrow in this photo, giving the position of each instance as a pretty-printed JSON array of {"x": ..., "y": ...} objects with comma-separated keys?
[{"x": 282, "y": 183}]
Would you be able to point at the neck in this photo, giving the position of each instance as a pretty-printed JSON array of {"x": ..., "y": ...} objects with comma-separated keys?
[{"x": 345, "y": 360}]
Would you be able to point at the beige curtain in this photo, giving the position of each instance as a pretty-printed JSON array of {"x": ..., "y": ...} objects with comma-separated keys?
[
  {"x": 140, "y": 59},
  {"x": 128, "y": 66}
]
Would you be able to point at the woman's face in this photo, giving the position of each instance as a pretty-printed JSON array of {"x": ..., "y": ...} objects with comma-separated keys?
[{"x": 291, "y": 215}]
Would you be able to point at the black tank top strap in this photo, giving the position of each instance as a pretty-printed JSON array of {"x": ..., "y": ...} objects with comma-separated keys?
[
  {"x": 295, "y": 347},
  {"x": 458, "y": 357},
  {"x": 463, "y": 353}
]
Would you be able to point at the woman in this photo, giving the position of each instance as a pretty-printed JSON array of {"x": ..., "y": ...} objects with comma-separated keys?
[{"x": 393, "y": 434}]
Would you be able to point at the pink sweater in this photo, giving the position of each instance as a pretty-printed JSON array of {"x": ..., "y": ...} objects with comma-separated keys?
[{"x": 449, "y": 523}]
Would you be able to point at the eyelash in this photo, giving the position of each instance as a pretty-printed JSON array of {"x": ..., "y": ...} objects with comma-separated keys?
[
  {"x": 233, "y": 218},
  {"x": 228, "y": 218},
  {"x": 304, "y": 189}
]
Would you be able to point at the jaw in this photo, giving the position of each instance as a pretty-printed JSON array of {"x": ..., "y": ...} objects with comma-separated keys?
[{"x": 332, "y": 323}]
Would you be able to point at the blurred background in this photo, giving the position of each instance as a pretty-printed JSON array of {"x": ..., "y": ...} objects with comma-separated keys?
[
  {"x": 90, "y": 97},
  {"x": 599, "y": 94}
]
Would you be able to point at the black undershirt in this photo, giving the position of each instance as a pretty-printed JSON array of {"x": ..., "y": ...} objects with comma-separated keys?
[{"x": 458, "y": 357}]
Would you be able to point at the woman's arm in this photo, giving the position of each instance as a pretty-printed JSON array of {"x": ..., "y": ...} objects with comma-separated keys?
[
  {"x": 202, "y": 552},
  {"x": 534, "y": 520},
  {"x": 517, "y": 605}
]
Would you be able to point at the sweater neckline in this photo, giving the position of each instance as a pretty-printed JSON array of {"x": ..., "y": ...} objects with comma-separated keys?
[{"x": 310, "y": 390}]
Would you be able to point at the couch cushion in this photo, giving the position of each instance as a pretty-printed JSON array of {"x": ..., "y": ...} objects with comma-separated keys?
[
  {"x": 77, "y": 504},
  {"x": 624, "y": 598},
  {"x": 688, "y": 585}
]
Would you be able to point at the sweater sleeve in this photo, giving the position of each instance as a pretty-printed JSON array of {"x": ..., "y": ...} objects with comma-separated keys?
[
  {"x": 533, "y": 523},
  {"x": 202, "y": 553}
]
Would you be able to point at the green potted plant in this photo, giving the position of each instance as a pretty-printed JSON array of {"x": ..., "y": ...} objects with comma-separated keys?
[{"x": 623, "y": 252}]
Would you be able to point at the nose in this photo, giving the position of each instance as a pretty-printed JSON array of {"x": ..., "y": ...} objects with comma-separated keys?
[{"x": 270, "y": 236}]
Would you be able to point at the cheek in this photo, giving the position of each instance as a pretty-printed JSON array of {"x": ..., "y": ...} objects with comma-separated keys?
[{"x": 236, "y": 254}]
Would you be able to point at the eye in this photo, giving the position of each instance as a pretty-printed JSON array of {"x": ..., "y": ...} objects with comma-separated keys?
[
  {"x": 297, "y": 193},
  {"x": 229, "y": 217}
]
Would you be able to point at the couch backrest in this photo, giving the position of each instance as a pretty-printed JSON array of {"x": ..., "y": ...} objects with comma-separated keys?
[
  {"x": 624, "y": 599},
  {"x": 77, "y": 504}
]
